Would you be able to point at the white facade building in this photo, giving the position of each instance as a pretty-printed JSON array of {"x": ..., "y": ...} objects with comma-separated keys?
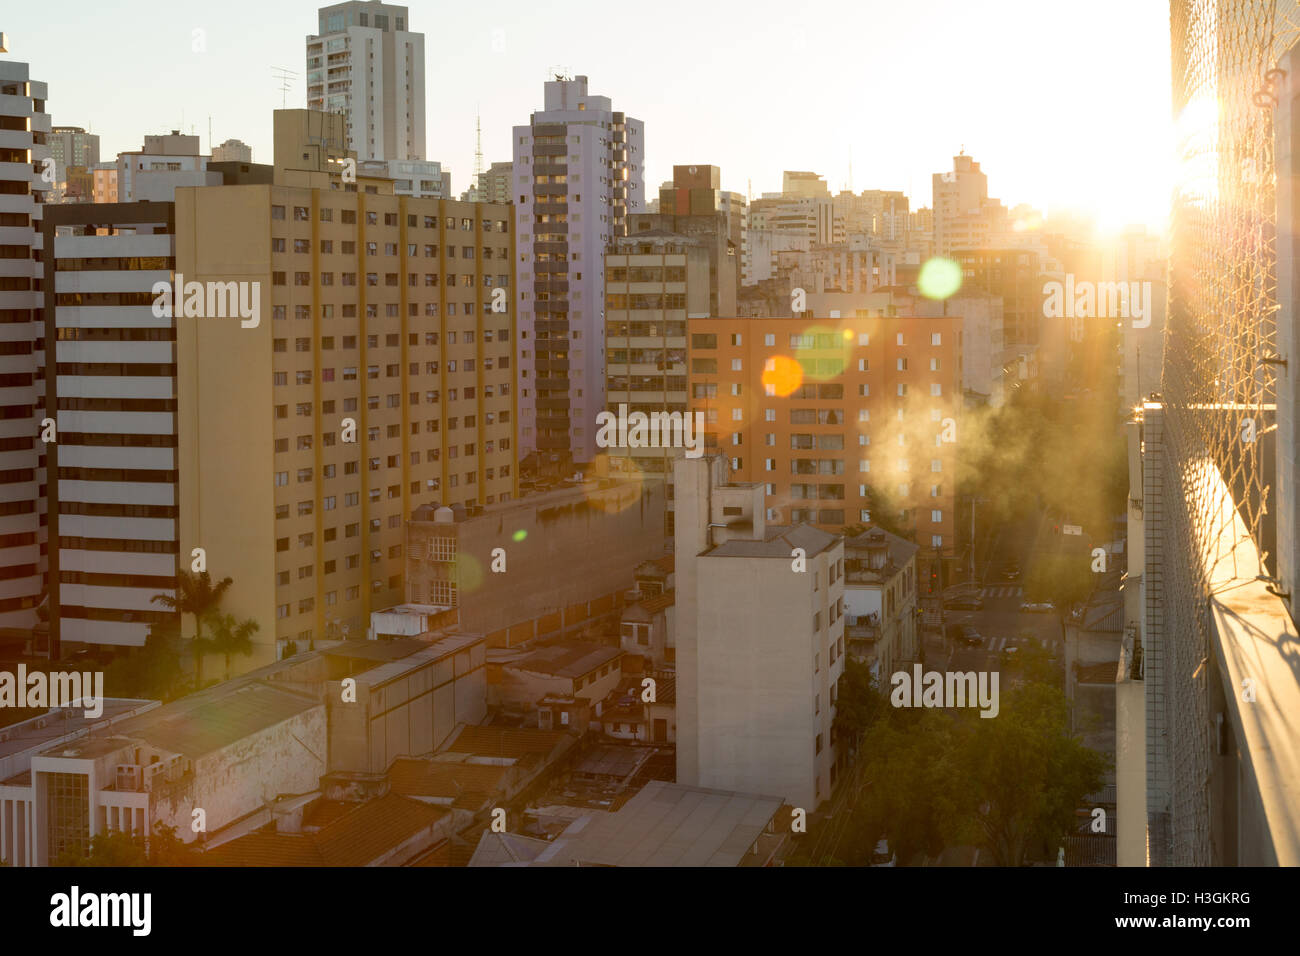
[
  {"x": 578, "y": 171},
  {"x": 22, "y": 105},
  {"x": 760, "y": 641},
  {"x": 113, "y": 505},
  {"x": 366, "y": 63}
]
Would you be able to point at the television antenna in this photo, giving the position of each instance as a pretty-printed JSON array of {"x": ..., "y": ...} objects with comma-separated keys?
[{"x": 285, "y": 78}]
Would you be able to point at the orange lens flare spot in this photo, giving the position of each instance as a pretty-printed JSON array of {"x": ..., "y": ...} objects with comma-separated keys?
[{"x": 784, "y": 377}]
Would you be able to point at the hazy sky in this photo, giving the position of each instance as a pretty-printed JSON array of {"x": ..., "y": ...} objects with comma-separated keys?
[{"x": 1063, "y": 104}]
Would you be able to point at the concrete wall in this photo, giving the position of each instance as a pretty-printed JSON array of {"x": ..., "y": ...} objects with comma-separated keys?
[
  {"x": 407, "y": 714},
  {"x": 595, "y": 536}
]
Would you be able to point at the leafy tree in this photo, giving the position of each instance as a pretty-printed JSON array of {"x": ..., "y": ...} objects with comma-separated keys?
[
  {"x": 117, "y": 848},
  {"x": 912, "y": 783},
  {"x": 109, "y": 848},
  {"x": 859, "y": 703},
  {"x": 198, "y": 596},
  {"x": 230, "y": 637},
  {"x": 1027, "y": 772},
  {"x": 1063, "y": 579}
]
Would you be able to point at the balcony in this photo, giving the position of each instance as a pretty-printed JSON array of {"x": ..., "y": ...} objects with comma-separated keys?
[
  {"x": 553, "y": 404},
  {"x": 862, "y": 629}
]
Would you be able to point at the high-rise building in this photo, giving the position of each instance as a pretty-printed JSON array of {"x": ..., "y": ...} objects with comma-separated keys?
[
  {"x": 112, "y": 503},
  {"x": 494, "y": 184},
  {"x": 760, "y": 615},
  {"x": 72, "y": 146},
  {"x": 365, "y": 63},
  {"x": 841, "y": 420},
  {"x": 24, "y": 123},
  {"x": 654, "y": 281},
  {"x": 232, "y": 151},
  {"x": 374, "y": 376},
  {"x": 803, "y": 185},
  {"x": 579, "y": 168},
  {"x": 964, "y": 215}
]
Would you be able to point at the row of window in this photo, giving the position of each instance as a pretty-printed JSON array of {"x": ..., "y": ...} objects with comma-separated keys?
[{"x": 413, "y": 221}]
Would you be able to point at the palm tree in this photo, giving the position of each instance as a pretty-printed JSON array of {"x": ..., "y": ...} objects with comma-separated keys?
[
  {"x": 197, "y": 595},
  {"x": 230, "y": 637}
]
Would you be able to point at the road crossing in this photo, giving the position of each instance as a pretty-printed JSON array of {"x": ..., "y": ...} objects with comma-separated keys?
[
  {"x": 1002, "y": 591},
  {"x": 996, "y": 645}
]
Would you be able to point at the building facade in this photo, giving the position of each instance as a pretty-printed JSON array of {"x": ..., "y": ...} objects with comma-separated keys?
[
  {"x": 24, "y": 125},
  {"x": 579, "y": 169},
  {"x": 760, "y": 618},
  {"x": 365, "y": 63},
  {"x": 837, "y": 418}
]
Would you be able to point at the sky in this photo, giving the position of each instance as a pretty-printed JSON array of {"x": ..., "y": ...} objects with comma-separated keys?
[{"x": 1065, "y": 106}]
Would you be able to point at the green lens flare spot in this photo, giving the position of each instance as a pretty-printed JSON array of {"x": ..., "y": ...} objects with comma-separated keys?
[
  {"x": 939, "y": 278},
  {"x": 520, "y": 535}
]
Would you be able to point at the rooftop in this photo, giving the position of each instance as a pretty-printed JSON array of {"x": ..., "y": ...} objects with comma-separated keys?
[
  {"x": 508, "y": 742},
  {"x": 61, "y": 721},
  {"x": 568, "y": 660},
  {"x": 778, "y": 542},
  {"x": 467, "y": 784},
  {"x": 666, "y": 824},
  {"x": 358, "y": 837}
]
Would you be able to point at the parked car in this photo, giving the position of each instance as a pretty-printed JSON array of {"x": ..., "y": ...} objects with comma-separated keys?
[
  {"x": 1044, "y": 607},
  {"x": 882, "y": 855},
  {"x": 1011, "y": 572}
]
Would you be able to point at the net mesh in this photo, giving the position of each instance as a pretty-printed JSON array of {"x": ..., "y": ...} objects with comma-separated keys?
[{"x": 1218, "y": 386}]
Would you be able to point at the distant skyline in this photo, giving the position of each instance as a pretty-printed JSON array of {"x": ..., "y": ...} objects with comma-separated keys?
[{"x": 1065, "y": 109}]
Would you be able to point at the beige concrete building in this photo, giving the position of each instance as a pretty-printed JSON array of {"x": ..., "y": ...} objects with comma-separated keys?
[
  {"x": 376, "y": 378},
  {"x": 760, "y": 641},
  {"x": 654, "y": 282},
  {"x": 565, "y": 559}
]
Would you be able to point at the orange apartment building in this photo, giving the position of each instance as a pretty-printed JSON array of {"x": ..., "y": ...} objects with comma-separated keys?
[{"x": 837, "y": 416}]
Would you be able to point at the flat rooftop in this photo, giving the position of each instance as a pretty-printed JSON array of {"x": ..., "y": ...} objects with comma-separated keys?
[
  {"x": 38, "y": 732},
  {"x": 666, "y": 824}
]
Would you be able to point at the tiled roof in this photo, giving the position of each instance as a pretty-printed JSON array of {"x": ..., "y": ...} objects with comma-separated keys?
[
  {"x": 900, "y": 550},
  {"x": 375, "y": 827},
  {"x": 448, "y": 779},
  {"x": 568, "y": 659},
  {"x": 388, "y": 650},
  {"x": 357, "y": 838},
  {"x": 511, "y": 742}
]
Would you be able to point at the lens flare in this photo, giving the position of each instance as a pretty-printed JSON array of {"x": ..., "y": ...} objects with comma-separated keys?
[
  {"x": 784, "y": 376},
  {"x": 468, "y": 571},
  {"x": 519, "y": 535},
  {"x": 939, "y": 278}
]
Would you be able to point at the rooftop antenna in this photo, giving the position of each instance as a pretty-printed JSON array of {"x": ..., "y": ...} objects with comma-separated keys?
[
  {"x": 478, "y": 154},
  {"x": 850, "y": 168},
  {"x": 284, "y": 77}
]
